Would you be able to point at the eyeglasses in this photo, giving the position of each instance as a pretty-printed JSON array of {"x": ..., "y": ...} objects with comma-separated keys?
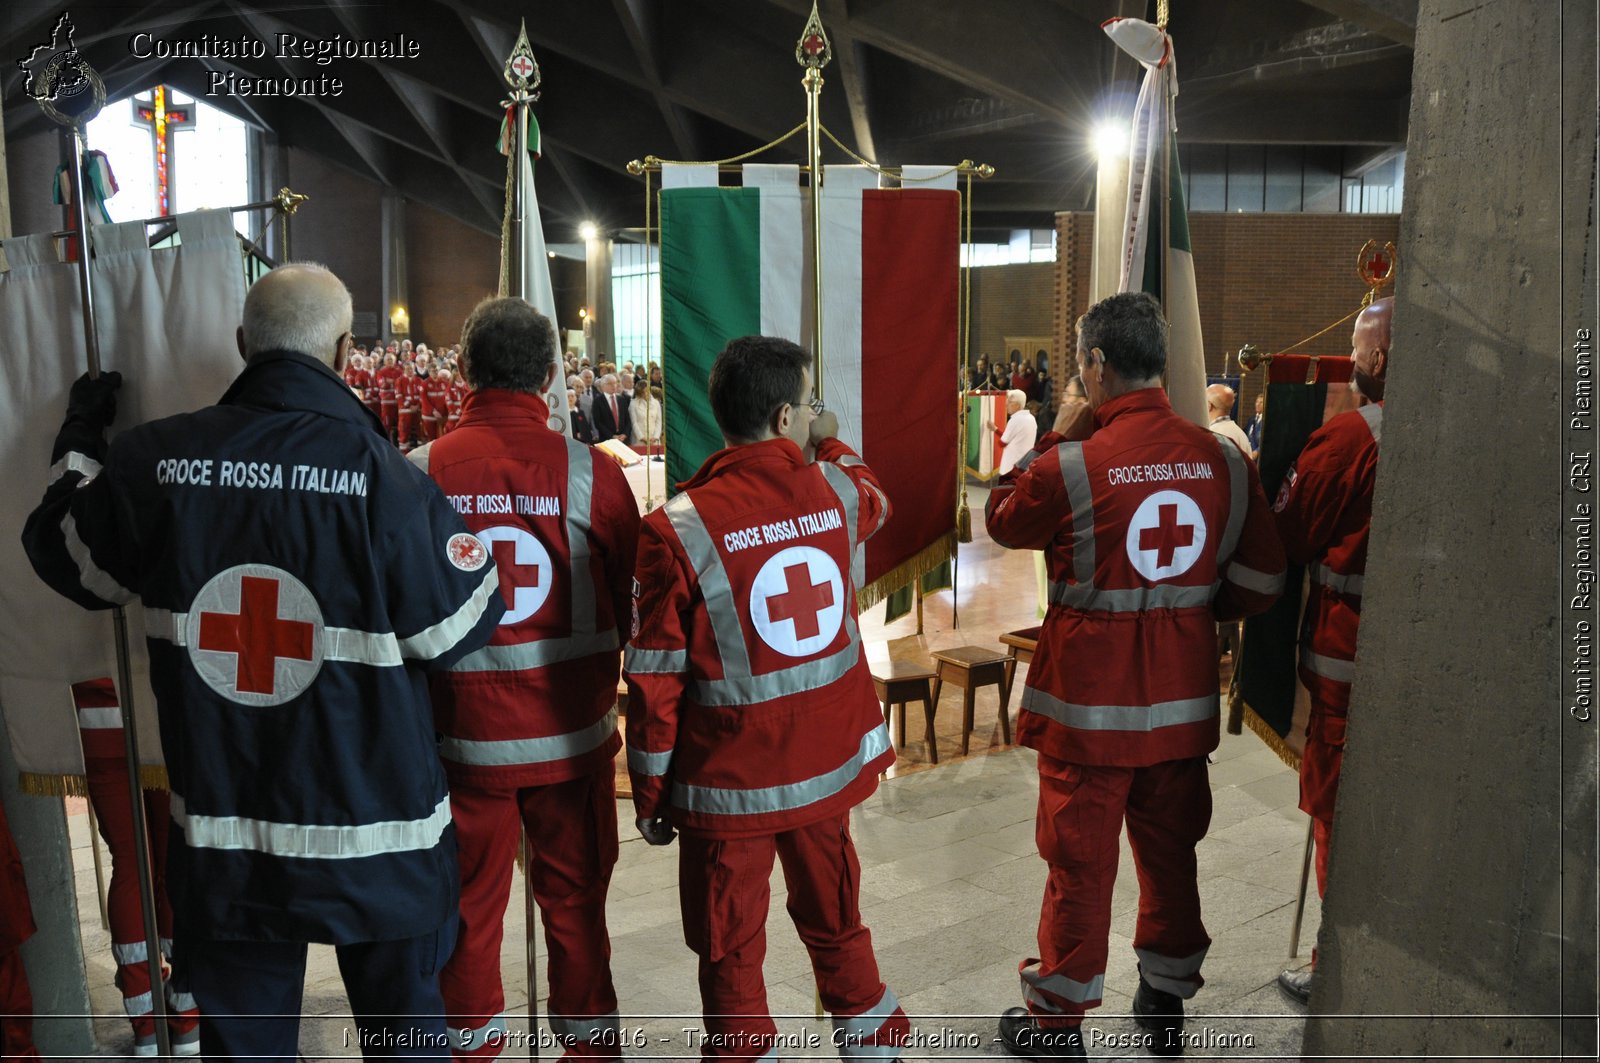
[{"x": 816, "y": 406}]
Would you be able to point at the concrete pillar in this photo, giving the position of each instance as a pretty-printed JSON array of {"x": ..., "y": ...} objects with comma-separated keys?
[
  {"x": 53, "y": 957},
  {"x": 600, "y": 333},
  {"x": 396, "y": 324},
  {"x": 1463, "y": 861}
]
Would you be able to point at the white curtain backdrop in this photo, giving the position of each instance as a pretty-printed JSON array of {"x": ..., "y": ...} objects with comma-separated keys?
[{"x": 166, "y": 321}]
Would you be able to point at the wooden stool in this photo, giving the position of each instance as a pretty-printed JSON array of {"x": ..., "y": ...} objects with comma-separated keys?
[
  {"x": 898, "y": 682},
  {"x": 1020, "y": 646},
  {"x": 971, "y": 667}
]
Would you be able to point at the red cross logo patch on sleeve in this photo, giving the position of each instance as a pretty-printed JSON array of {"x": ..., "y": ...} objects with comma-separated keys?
[
  {"x": 465, "y": 552},
  {"x": 254, "y": 634},
  {"x": 1166, "y": 535},
  {"x": 797, "y": 601},
  {"x": 524, "y": 567}
]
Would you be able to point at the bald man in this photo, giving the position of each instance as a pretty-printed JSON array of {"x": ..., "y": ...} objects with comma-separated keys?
[
  {"x": 1219, "y": 404},
  {"x": 1324, "y": 513},
  {"x": 299, "y": 578}
]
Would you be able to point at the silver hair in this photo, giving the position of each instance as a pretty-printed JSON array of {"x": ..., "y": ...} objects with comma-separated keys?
[
  {"x": 305, "y": 318},
  {"x": 1017, "y": 395}
]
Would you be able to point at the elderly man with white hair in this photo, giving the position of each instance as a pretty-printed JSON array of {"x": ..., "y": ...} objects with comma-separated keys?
[
  {"x": 299, "y": 578},
  {"x": 610, "y": 417},
  {"x": 1019, "y": 433},
  {"x": 1219, "y": 405}
]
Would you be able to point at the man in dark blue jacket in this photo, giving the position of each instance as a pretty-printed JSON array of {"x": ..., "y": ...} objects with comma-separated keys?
[{"x": 298, "y": 577}]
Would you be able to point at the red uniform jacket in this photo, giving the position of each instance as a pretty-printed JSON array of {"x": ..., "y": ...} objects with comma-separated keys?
[
  {"x": 435, "y": 394},
  {"x": 1154, "y": 529},
  {"x": 750, "y": 708},
  {"x": 1324, "y": 513},
  {"x": 359, "y": 380},
  {"x": 537, "y": 704},
  {"x": 408, "y": 391},
  {"x": 386, "y": 378},
  {"x": 455, "y": 401}
]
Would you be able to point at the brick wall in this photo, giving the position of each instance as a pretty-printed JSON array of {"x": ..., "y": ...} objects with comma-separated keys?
[
  {"x": 1267, "y": 279},
  {"x": 341, "y": 227},
  {"x": 1010, "y": 300},
  {"x": 449, "y": 268}
]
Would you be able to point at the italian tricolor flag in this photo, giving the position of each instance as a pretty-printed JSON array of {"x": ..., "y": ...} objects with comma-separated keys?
[
  {"x": 982, "y": 443},
  {"x": 733, "y": 264}
]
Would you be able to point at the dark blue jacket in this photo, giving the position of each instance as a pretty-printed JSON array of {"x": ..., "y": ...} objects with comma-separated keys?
[{"x": 298, "y": 578}]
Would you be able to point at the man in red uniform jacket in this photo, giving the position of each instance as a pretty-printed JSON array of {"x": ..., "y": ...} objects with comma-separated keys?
[
  {"x": 435, "y": 392},
  {"x": 528, "y": 724},
  {"x": 1154, "y": 529},
  {"x": 408, "y": 397},
  {"x": 385, "y": 379},
  {"x": 1324, "y": 513},
  {"x": 752, "y": 723}
]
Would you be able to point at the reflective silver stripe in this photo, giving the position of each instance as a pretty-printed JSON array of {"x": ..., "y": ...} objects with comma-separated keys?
[
  {"x": 795, "y": 679},
  {"x": 378, "y": 648},
  {"x": 849, "y": 498},
  {"x": 1372, "y": 413},
  {"x": 714, "y": 586},
  {"x": 430, "y": 642},
  {"x": 1059, "y": 985},
  {"x": 585, "y": 1030},
  {"x": 731, "y": 802},
  {"x": 1338, "y": 581},
  {"x": 883, "y": 509},
  {"x": 1132, "y": 599},
  {"x": 92, "y": 577},
  {"x": 72, "y": 461},
  {"x": 1334, "y": 668},
  {"x": 310, "y": 841},
  {"x": 1075, "y": 477},
  {"x": 100, "y": 718},
  {"x": 848, "y": 460},
  {"x": 538, "y": 653},
  {"x": 853, "y": 1034},
  {"x": 464, "y": 1040},
  {"x": 646, "y": 763},
  {"x": 143, "y": 1004},
  {"x": 1252, "y": 580},
  {"x": 580, "y": 504},
  {"x": 419, "y": 456},
  {"x": 636, "y": 661},
  {"x": 1168, "y": 974},
  {"x": 132, "y": 952},
  {"x": 1026, "y": 460},
  {"x": 177, "y": 1001},
  {"x": 1121, "y": 717},
  {"x": 1238, "y": 499},
  {"x": 529, "y": 750}
]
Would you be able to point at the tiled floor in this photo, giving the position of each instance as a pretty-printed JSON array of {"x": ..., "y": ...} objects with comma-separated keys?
[{"x": 951, "y": 885}]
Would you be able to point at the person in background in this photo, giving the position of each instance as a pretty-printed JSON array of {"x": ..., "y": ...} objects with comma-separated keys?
[
  {"x": 645, "y": 412},
  {"x": 1253, "y": 429},
  {"x": 1019, "y": 434},
  {"x": 1219, "y": 406}
]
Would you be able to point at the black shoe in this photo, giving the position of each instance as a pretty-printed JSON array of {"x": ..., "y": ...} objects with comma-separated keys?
[
  {"x": 1296, "y": 985},
  {"x": 1022, "y": 1038},
  {"x": 1161, "y": 1014}
]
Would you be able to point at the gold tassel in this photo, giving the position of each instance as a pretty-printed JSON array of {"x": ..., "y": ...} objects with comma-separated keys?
[{"x": 963, "y": 520}]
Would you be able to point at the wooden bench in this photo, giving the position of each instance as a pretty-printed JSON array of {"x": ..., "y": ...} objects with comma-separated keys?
[
  {"x": 898, "y": 682},
  {"x": 971, "y": 667}
]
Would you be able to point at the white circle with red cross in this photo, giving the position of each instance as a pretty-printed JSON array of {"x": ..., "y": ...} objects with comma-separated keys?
[
  {"x": 525, "y": 570},
  {"x": 797, "y": 601},
  {"x": 254, "y": 634},
  {"x": 1166, "y": 535}
]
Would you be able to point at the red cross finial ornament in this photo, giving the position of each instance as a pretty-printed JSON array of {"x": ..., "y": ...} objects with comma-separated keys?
[
  {"x": 1375, "y": 266},
  {"x": 813, "y": 50},
  {"x": 522, "y": 69},
  {"x": 802, "y": 603}
]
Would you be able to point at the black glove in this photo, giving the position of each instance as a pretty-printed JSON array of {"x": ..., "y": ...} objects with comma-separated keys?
[
  {"x": 91, "y": 407},
  {"x": 93, "y": 400}
]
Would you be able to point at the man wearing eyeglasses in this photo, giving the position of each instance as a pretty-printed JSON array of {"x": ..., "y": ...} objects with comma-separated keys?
[{"x": 752, "y": 724}]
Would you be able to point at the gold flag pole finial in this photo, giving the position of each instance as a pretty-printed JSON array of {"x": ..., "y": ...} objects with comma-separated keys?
[
  {"x": 1161, "y": 14},
  {"x": 814, "y": 52},
  {"x": 522, "y": 70},
  {"x": 1375, "y": 267}
]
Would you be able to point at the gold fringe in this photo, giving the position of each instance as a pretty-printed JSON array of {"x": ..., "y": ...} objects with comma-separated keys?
[
  {"x": 1273, "y": 739},
  {"x": 39, "y": 784},
  {"x": 915, "y": 567}
]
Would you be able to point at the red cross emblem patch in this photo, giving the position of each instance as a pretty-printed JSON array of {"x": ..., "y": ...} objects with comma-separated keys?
[
  {"x": 1166, "y": 535},
  {"x": 525, "y": 570},
  {"x": 254, "y": 634},
  {"x": 465, "y": 552},
  {"x": 797, "y": 601}
]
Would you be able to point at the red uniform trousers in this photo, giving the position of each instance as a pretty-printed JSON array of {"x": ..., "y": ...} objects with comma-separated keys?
[
  {"x": 389, "y": 414},
  {"x": 106, "y": 771},
  {"x": 16, "y": 926},
  {"x": 723, "y": 886},
  {"x": 572, "y": 826},
  {"x": 1320, "y": 765},
  {"x": 1081, "y": 811},
  {"x": 430, "y": 428},
  {"x": 408, "y": 429}
]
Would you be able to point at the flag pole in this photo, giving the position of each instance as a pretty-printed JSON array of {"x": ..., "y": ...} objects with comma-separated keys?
[
  {"x": 522, "y": 76},
  {"x": 1166, "y": 164},
  {"x": 813, "y": 52},
  {"x": 73, "y": 127}
]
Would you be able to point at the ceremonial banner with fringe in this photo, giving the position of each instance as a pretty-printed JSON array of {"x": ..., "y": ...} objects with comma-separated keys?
[
  {"x": 167, "y": 321},
  {"x": 1265, "y": 692},
  {"x": 731, "y": 266},
  {"x": 1154, "y": 143}
]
